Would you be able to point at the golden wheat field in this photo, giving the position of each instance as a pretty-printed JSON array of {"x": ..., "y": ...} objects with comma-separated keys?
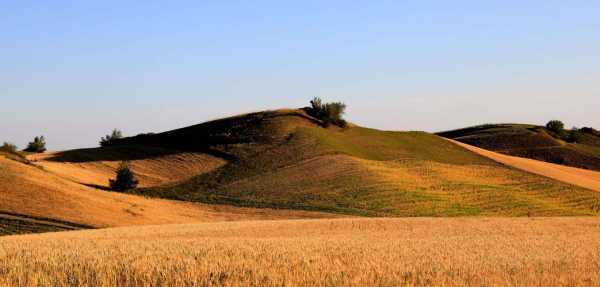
[{"x": 321, "y": 252}]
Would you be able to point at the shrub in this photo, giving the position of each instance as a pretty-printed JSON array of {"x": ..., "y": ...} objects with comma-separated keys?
[
  {"x": 37, "y": 145},
  {"x": 125, "y": 179},
  {"x": 116, "y": 134},
  {"x": 589, "y": 130},
  {"x": 8, "y": 147},
  {"x": 328, "y": 113},
  {"x": 575, "y": 135},
  {"x": 556, "y": 126}
]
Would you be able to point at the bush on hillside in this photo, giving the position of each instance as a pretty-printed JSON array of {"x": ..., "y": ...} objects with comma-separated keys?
[
  {"x": 116, "y": 134},
  {"x": 589, "y": 130},
  {"x": 37, "y": 145},
  {"x": 8, "y": 147},
  {"x": 574, "y": 136},
  {"x": 125, "y": 179},
  {"x": 556, "y": 126},
  {"x": 328, "y": 113}
]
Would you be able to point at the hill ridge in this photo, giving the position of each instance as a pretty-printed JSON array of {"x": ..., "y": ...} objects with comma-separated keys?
[
  {"x": 289, "y": 162},
  {"x": 534, "y": 142}
]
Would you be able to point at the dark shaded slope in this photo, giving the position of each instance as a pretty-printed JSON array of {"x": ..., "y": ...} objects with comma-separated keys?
[
  {"x": 531, "y": 142},
  {"x": 11, "y": 224}
]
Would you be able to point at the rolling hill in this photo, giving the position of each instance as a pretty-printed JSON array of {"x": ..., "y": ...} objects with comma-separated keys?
[
  {"x": 287, "y": 159},
  {"x": 36, "y": 199},
  {"x": 533, "y": 142},
  {"x": 274, "y": 165}
]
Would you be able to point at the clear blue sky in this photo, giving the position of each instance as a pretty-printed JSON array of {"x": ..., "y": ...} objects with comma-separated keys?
[{"x": 73, "y": 70}]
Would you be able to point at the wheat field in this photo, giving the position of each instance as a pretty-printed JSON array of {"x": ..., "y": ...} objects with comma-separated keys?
[{"x": 320, "y": 252}]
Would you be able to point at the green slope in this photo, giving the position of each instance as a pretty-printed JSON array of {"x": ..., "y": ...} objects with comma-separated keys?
[{"x": 285, "y": 159}]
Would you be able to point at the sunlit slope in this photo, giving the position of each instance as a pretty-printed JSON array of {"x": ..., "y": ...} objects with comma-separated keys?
[
  {"x": 31, "y": 191},
  {"x": 152, "y": 166},
  {"x": 533, "y": 142},
  {"x": 285, "y": 159},
  {"x": 576, "y": 176}
]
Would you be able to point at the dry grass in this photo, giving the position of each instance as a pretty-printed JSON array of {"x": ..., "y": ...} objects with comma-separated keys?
[
  {"x": 343, "y": 252},
  {"x": 28, "y": 190},
  {"x": 149, "y": 171}
]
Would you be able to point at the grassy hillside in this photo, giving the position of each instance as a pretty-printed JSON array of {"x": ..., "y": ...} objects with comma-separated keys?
[
  {"x": 286, "y": 159},
  {"x": 42, "y": 199},
  {"x": 533, "y": 142},
  {"x": 342, "y": 252},
  {"x": 152, "y": 166}
]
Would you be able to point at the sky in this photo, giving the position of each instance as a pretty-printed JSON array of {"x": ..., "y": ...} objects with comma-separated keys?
[{"x": 74, "y": 70}]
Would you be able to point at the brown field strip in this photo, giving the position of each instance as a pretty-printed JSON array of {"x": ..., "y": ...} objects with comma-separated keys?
[
  {"x": 575, "y": 176},
  {"x": 322, "y": 252}
]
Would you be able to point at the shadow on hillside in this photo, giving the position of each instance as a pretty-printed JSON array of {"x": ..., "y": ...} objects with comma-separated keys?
[
  {"x": 534, "y": 142},
  {"x": 127, "y": 153},
  {"x": 212, "y": 138},
  {"x": 97, "y": 186}
]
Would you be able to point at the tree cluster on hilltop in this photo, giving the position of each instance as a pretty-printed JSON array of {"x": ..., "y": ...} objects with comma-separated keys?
[{"x": 328, "y": 113}]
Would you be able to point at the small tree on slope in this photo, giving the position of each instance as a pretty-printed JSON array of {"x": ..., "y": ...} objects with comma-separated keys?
[
  {"x": 556, "y": 126},
  {"x": 116, "y": 134},
  {"x": 37, "y": 145},
  {"x": 125, "y": 179}
]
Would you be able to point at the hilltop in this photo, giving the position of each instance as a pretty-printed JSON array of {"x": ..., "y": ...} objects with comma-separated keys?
[
  {"x": 288, "y": 159},
  {"x": 535, "y": 142}
]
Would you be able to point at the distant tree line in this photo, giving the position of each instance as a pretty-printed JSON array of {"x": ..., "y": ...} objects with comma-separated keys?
[
  {"x": 8, "y": 147},
  {"x": 38, "y": 145},
  {"x": 574, "y": 135}
]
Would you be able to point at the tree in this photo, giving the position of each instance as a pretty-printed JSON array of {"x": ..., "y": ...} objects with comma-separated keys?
[
  {"x": 575, "y": 135},
  {"x": 116, "y": 134},
  {"x": 589, "y": 130},
  {"x": 8, "y": 147},
  {"x": 125, "y": 179},
  {"x": 328, "y": 113},
  {"x": 37, "y": 145},
  {"x": 334, "y": 114},
  {"x": 556, "y": 126},
  {"x": 316, "y": 104}
]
